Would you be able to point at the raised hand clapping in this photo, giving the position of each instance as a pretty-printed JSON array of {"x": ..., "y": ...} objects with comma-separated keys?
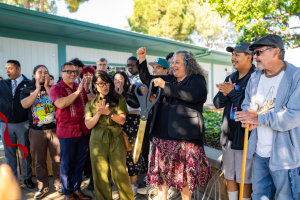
[{"x": 103, "y": 108}]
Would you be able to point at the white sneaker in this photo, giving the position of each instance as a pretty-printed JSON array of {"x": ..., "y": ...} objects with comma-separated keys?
[
  {"x": 172, "y": 193},
  {"x": 41, "y": 192},
  {"x": 134, "y": 189},
  {"x": 146, "y": 190}
]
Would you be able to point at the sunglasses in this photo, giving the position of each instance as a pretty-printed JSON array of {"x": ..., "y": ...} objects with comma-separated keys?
[
  {"x": 258, "y": 52},
  {"x": 70, "y": 72}
]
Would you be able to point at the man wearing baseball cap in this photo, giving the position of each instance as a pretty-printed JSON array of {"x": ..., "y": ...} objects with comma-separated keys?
[
  {"x": 160, "y": 66},
  {"x": 230, "y": 97},
  {"x": 271, "y": 107}
]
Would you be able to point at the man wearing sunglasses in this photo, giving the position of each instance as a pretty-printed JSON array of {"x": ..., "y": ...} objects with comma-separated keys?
[
  {"x": 271, "y": 107},
  {"x": 69, "y": 99},
  {"x": 230, "y": 97}
]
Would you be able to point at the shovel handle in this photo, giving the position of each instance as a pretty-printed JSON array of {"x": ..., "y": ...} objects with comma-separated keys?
[{"x": 244, "y": 162}]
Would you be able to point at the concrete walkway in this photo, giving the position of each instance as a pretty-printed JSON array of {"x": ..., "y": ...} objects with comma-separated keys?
[{"x": 28, "y": 194}]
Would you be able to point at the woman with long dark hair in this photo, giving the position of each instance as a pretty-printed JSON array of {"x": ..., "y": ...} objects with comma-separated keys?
[
  {"x": 177, "y": 157},
  {"x": 131, "y": 126},
  {"x": 104, "y": 115},
  {"x": 42, "y": 132}
]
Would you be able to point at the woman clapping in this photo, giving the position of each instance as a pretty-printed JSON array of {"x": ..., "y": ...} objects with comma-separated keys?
[
  {"x": 104, "y": 115},
  {"x": 131, "y": 126}
]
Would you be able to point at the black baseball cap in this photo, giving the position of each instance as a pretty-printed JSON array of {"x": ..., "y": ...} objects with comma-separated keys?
[
  {"x": 268, "y": 40},
  {"x": 241, "y": 47}
]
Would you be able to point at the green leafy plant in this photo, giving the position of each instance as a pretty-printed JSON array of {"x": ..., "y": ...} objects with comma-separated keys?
[{"x": 212, "y": 121}]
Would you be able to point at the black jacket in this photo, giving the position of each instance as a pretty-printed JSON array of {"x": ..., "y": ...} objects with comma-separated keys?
[
  {"x": 131, "y": 98},
  {"x": 11, "y": 107},
  {"x": 235, "y": 98},
  {"x": 178, "y": 113}
]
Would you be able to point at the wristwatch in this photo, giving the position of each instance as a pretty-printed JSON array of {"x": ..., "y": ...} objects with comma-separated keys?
[
  {"x": 111, "y": 114},
  {"x": 88, "y": 92}
]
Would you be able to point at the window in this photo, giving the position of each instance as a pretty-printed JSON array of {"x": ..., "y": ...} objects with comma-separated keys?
[{"x": 206, "y": 79}]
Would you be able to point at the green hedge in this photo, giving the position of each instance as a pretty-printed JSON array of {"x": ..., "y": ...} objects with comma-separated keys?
[{"x": 212, "y": 121}]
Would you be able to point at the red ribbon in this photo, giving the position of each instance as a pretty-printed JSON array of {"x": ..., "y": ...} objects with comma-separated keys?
[{"x": 7, "y": 141}]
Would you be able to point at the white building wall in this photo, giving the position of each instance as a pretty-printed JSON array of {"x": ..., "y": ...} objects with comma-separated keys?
[
  {"x": 29, "y": 54},
  {"x": 220, "y": 74},
  {"x": 207, "y": 69},
  {"x": 151, "y": 59},
  {"x": 92, "y": 55}
]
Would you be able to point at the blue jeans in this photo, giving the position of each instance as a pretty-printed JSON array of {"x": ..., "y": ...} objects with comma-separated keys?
[
  {"x": 73, "y": 153},
  {"x": 265, "y": 182}
]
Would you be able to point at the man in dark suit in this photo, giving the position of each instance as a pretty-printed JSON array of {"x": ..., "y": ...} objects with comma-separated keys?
[{"x": 17, "y": 117}]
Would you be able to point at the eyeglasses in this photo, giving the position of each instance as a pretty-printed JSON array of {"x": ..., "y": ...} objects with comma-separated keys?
[
  {"x": 70, "y": 72},
  {"x": 103, "y": 84},
  {"x": 258, "y": 52},
  {"x": 128, "y": 65}
]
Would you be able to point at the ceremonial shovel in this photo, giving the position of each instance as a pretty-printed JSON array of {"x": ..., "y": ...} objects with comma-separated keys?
[
  {"x": 146, "y": 106},
  {"x": 244, "y": 162}
]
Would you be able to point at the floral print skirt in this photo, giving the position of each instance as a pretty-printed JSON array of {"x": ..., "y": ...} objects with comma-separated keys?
[{"x": 178, "y": 164}]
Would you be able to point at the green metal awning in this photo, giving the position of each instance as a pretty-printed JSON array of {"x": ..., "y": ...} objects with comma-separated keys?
[{"x": 34, "y": 21}]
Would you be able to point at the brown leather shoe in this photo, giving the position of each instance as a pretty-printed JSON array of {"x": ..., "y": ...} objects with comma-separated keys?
[
  {"x": 70, "y": 197},
  {"x": 81, "y": 196}
]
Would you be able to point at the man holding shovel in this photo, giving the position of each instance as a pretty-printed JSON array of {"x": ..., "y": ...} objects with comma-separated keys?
[
  {"x": 230, "y": 97},
  {"x": 271, "y": 107}
]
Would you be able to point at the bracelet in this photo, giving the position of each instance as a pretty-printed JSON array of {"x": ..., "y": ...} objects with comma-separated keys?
[
  {"x": 88, "y": 92},
  {"x": 111, "y": 114}
]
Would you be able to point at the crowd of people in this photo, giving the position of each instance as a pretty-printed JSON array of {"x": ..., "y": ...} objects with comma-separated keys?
[{"x": 82, "y": 119}]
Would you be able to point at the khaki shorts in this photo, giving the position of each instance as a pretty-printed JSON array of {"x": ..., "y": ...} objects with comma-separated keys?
[{"x": 232, "y": 164}]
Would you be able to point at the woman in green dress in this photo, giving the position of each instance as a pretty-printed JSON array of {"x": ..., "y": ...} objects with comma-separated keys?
[{"x": 104, "y": 115}]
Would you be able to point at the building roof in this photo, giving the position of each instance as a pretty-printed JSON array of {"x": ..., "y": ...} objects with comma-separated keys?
[{"x": 29, "y": 20}]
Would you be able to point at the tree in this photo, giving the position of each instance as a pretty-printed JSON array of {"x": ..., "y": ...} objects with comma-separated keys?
[
  {"x": 210, "y": 28},
  {"x": 183, "y": 20},
  {"x": 47, "y": 6},
  {"x": 256, "y": 18},
  {"x": 73, "y": 5}
]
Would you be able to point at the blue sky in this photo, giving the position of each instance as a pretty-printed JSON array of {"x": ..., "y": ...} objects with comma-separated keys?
[{"x": 114, "y": 13}]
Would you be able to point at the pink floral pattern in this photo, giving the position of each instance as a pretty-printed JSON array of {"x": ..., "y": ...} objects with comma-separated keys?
[{"x": 178, "y": 164}]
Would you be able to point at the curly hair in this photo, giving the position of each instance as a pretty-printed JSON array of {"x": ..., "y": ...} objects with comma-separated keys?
[
  {"x": 191, "y": 65},
  {"x": 87, "y": 69}
]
